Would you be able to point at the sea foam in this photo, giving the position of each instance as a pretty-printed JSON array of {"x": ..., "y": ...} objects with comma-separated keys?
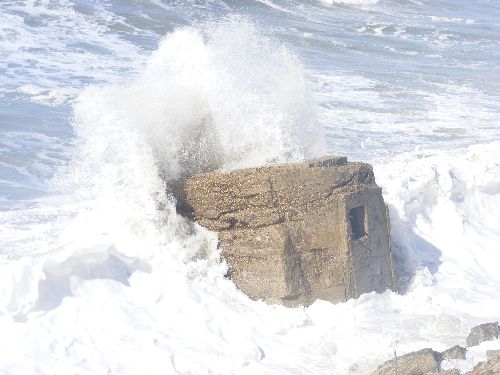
[{"x": 114, "y": 281}]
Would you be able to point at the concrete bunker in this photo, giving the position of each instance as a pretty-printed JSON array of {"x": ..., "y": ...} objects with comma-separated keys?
[
  {"x": 295, "y": 233},
  {"x": 357, "y": 221}
]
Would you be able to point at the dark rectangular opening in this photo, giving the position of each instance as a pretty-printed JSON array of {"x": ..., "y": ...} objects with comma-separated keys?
[{"x": 357, "y": 219}]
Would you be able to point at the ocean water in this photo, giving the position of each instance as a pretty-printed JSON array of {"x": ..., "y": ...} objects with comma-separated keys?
[{"x": 101, "y": 102}]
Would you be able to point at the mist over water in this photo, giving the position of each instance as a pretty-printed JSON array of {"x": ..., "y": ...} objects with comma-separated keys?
[{"x": 101, "y": 103}]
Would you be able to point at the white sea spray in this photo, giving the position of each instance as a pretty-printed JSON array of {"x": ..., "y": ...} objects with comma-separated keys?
[{"x": 102, "y": 276}]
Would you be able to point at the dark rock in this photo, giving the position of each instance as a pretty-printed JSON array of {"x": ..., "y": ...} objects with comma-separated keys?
[
  {"x": 455, "y": 352},
  {"x": 483, "y": 332},
  {"x": 423, "y": 362}
]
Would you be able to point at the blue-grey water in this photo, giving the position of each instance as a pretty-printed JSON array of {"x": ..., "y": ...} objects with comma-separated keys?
[{"x": 389, "y": 76}]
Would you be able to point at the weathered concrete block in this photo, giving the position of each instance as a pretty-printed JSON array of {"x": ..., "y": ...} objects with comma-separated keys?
[
  {"x": 483, "y": 332},
  {"x": 294, "y": 233}
]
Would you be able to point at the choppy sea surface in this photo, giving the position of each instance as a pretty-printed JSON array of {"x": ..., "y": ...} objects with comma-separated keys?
[{"x": 98, "y": 100}]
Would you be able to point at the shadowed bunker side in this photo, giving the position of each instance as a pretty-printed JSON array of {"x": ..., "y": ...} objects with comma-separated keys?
[{"x": 295, "y": 233}]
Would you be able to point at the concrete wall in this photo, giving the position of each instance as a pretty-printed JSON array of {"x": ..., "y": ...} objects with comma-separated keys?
[{"x": 286, "y": 233}]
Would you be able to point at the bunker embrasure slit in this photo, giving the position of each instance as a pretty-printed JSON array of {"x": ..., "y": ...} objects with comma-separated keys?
[{"x": 357, "y": 219}]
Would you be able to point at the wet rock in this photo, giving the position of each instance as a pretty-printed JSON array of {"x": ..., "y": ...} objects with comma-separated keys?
[
  {"x": 422, "y": 362},
  {"x": 492, "y": 353},
  {"x": 455, "y": 352},
  {"x": 483, "y": 332},
  {"x": 295, "y": 233},
  {"x": 490, "y": 367}
]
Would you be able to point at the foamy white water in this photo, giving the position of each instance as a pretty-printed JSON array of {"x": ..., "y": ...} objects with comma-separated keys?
[{"x": 102, "y": 102}]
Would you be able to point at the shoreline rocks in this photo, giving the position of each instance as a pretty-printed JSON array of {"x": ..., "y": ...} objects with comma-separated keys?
[
  {"x": 490, "y": 367},
  {"x": 455, "y": 352},
  {"x": 492, "y": 353},
  {"x": 428, "y": 362},
  {"x": 483, "y": 332},
  {"x": 425, "y": 361}
]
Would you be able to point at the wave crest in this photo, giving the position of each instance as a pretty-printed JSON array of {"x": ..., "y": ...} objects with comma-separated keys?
[{"x": 221, "y": 96}]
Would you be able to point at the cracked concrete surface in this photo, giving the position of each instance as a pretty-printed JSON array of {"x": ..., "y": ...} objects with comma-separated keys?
[{"x": 288, "y": 232}]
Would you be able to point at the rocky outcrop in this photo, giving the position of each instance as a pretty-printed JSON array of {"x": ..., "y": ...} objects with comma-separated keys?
[
  {"x": 423, "y": 362},
  {"x": 455, "y": 352},
  {"x": 490, "y": 367},
  {"x": 492, "y": 353},
  {"x": 483, "y": 332},
  {"x": 428, "y": 362},
  {"x": 295, "y": 233}
]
